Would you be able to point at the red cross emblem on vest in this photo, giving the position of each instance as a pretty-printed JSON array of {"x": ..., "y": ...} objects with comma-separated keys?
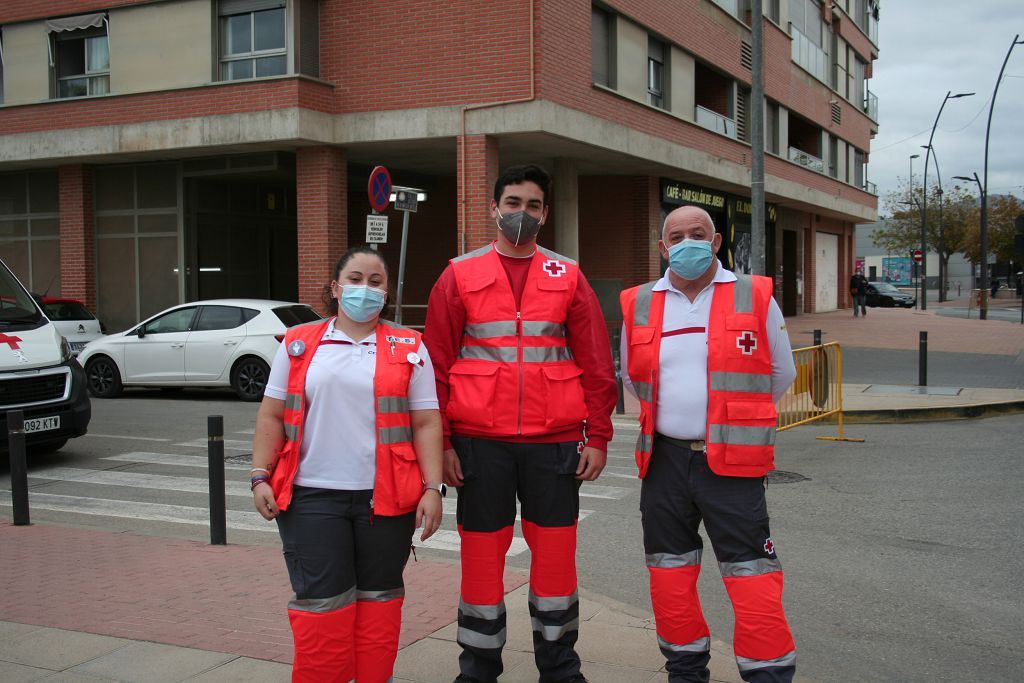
[
  {"x": 10, "y": 341},
  {"x": 769, "y": 546},
  {"x": 553, "y": 268},
  {"x": 746, "y": 342}
]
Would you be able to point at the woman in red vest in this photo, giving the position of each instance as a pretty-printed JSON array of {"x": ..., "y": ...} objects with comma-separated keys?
[{"x": 347, "y": 459}]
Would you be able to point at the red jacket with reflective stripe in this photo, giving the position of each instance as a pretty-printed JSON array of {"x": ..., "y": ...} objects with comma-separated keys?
[
  {"x": 741, "y": 414},
  {"x": 398, "y": 483},
  {"x": 515, "y": 374}
]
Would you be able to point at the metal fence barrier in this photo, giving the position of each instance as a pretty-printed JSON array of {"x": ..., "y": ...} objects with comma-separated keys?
[{"x": 817, "y": 392}]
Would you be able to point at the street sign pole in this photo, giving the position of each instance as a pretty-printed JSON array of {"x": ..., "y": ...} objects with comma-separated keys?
[{"x": 406, "y": 201}]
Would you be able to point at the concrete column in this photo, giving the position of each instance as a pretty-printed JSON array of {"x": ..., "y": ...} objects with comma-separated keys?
[
  {"x": 77, "y": 234},
  {"x": 566, "y": 208},
  {"x": 321, "y": 178},
  {"x": 478, "y": 171}
]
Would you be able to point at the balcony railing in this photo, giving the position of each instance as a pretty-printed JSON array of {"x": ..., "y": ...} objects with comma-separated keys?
[
  {"x": 871, "y": 105},
  {"x": 712, "y": 120},
  {"x": 804, "y": 159},
  {"x": 870, "y": 187},
  {"x": 809, "y": 56}
]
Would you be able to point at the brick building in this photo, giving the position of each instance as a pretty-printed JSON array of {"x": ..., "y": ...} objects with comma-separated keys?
[{"x": 160, "y": 151}]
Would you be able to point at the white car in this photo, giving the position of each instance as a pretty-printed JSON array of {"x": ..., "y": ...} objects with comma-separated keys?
[
  {"x": 216, "y": 343},
  {"x": 73, "y": 320}
]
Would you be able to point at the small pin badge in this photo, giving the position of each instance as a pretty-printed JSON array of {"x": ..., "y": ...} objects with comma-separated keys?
[
  {"x": 414, "y": 358},
  {"x": 296, "y": 348}
]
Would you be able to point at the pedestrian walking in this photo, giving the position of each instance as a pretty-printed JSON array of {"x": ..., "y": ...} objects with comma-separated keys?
[
  {"x": 347, "y": 459},
  {"x": 859, "y": 292},
  {"x": 707, "y": 355},
  {"x": 523, "y": 365}
]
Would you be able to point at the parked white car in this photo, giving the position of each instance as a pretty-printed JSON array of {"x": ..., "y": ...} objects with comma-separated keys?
[
  {"x": 73, "y": 320},
  {"x": 216, "y": 343}
]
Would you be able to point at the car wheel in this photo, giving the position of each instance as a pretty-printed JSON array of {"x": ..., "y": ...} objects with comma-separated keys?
[
  {"x": 103, "y": 377},
  {"x": 249, "y": 378}
]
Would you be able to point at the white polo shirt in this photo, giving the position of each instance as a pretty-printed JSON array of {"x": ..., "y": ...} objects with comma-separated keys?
[
  {"x": 339, "y": 440},
  {"x": 683, "y": 362}
]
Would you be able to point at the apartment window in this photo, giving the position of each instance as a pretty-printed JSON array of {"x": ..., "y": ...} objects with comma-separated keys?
[
  {"x": 833, "y": 156},
  {"x": 810, "y": 37},
  {"x": 79, "y": 55},
  {"x": 714, "y": 96},
  {"x": 602, "y": 56},
  {"x": 656, "y": 73},
  {"x": 772, "y": 10},
  {"x": 771, "y": 127},
  {"x": 253, "y": 39}
]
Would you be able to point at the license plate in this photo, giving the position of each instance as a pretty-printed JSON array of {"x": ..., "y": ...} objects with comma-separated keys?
[{"x": 42, "y": 424}]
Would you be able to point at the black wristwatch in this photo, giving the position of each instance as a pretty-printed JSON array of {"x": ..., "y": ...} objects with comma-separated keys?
[{"x": 440, "y": 488}]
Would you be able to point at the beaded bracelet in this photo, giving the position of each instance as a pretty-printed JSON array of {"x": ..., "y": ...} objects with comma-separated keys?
[
  {"x": 260, "y": 469},
  {"x": 256, "y": 481}
]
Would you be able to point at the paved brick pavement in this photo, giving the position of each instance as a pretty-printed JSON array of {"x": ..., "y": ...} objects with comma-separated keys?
[{"x": 179, "y": 592}]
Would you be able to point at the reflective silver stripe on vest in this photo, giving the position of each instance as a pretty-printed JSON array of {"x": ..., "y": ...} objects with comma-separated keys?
[
  {"x": 642, "y": 307},
  {"x": 389, "y": 435},
  {"x": 743, "y": 294},
  {"x": 699, "y": 645},
  {"x": 741, "y": 436},
  {"x": 546, "y": 354},
  {"x": 761, "y": 565},
  {"x": 293, "y": 402},
  {"x": 498, "y": 354},
  {"x": 669, "y": 561},
  {"x": 500, "y": 328},
  {"x": 291, "y": 432},
  {"x": 488, "y": 612},
  {"x": 644, "y": 391},
  {"x": 741, "y": 381},
  {"x": 485, "y": 642},
  {"x": 555, "y": 255},
  {"x": 552, "y": 632},
  {"x": 747, "y": 664},
  {"x": 540, "y": 328},
  {"x": 554, "y": 604},
  {"x": 380, "y": 596},
  {"x": 473, "y": 254},
  {"x": 392, "y": 404},
  {"x": 644, "y": 443},
  {"x": 323, "y": 604}
]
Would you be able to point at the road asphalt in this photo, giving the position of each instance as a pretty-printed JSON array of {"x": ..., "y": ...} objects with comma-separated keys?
[{"x": 83, "y": 604}]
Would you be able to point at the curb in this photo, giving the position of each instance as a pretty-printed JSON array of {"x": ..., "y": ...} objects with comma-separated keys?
[{"x": 936, "y": 414}]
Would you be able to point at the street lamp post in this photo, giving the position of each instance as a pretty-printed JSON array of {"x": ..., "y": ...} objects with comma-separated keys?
[
  {"x": 983, "y": 258},
  {"x": 941, "y": 246},
  {"x": 983, "y": 313},
  {"x": 911, "y": 202},
  {"x": 924, "y": 199}
]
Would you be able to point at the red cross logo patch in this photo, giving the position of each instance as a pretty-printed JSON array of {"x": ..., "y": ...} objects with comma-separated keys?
[
  {"x": 10, "y": 341},
  {"x": 554, "y": 268},
  {"x": 769, "y": 547},
  {"x": 746, "y": 342}
]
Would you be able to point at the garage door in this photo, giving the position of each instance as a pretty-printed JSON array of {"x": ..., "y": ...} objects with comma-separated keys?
[{"x": 826, "y": 272}]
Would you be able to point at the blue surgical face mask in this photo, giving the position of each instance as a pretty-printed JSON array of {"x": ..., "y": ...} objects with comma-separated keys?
[
  {"x": 362, "y": 302},
  {"x": 690, "y": 259}
]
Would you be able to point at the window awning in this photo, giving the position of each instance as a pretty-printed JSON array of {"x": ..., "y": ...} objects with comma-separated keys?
[{"x": 75, "y": 23}]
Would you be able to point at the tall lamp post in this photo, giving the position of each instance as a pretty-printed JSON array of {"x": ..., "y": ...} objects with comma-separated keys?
[
  {"x": 984, "y": 242},
  {"x": 924, "y": 199},
  {"x": 983, "y": 313},
  {"x": 911, "y": 202},
  {"x": 941, "y": 246}
]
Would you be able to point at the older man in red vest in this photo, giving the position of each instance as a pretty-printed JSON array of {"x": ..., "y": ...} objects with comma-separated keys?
[
  {"x": 523, "y": 367},
  {"x": 707, "y": 356}
]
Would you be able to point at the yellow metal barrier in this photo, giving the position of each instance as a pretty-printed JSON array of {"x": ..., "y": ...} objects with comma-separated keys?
[{"x": 817, "y": 391}]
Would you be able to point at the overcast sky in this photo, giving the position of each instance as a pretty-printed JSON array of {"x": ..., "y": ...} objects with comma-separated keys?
[{"x": 929, "y": 47}]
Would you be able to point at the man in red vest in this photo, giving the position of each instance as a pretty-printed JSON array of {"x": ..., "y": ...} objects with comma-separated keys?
[
  {"x": 707, "y": 356},
  {"x": 523, "y": 368}
]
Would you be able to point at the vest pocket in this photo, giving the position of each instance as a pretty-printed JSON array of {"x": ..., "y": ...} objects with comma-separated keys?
[
  {"x": 471, "y": 389},
  {"x": 749, "y": 436},
  {"x": 565, "y": 403},
  {"x": 408, "y": 478}
]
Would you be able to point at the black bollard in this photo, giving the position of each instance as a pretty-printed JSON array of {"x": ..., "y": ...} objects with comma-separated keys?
[
  {"x": 215, "y": 464},
  {"x": 922, "y": 360},
  {"x": 817, "y": 337},
  {"x": 19, "y": 466}
]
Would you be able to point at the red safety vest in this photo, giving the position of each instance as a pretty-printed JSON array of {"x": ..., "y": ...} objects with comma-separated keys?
[
  {"x": 515, "y": 374},
  {"x": 741, "y": 419},
  {"x": 398, "y": 483}
]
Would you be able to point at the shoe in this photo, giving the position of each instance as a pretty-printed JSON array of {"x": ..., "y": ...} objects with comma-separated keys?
[
  {"x": 578, "y": 678},
  {"x": 463, "y": 678}
]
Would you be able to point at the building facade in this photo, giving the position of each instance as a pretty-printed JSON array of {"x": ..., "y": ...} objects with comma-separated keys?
[{"x": 160, "y": 151}]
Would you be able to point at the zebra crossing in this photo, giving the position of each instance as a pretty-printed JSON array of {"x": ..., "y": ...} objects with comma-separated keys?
[{"x": 137, "y": 485}]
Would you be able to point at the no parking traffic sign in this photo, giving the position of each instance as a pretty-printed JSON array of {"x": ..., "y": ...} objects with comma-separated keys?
[{"x": 379, "y": 189}]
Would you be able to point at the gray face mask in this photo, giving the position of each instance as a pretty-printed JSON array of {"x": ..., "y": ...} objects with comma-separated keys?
[{"x": 519, "y": 227}]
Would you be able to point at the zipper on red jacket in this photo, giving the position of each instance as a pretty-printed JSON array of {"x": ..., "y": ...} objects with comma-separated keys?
[{"x": 519, "y": 368}]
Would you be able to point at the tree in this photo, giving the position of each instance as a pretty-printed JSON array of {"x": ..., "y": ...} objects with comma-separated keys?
[{"x": 1002, "y": 210}]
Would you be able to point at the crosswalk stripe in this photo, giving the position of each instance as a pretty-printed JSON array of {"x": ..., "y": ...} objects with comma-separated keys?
[
  {"x": 589, "y": 490},
  {"x": 137, "y": 480},
  {"x": 122, "y": 436},
  {"x": 450, "y": 506},
  {"x": 229, "y": 444},
  {"x": 606, "y": 473},
  {"x": 170, "y": 459},
  {"x": 155, "y": 512},
  {"x": 450, "y": 541}
]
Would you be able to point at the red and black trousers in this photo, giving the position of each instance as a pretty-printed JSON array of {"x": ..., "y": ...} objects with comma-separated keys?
[
  {"x": 345, "y": 567},
  {"x": 678, "y": 493},
  {"x": 543, "y": 478}
]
